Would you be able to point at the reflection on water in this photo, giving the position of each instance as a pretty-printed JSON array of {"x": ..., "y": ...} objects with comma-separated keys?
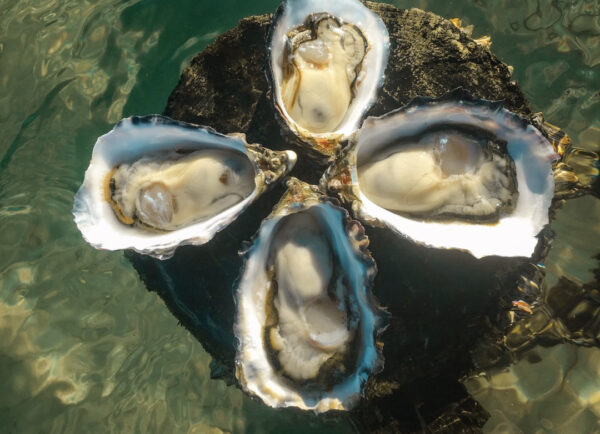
[
  {"x": 83, "y": 345},
  {"x": 577, "y": 228},
  {"x": 549, "y": 390}
]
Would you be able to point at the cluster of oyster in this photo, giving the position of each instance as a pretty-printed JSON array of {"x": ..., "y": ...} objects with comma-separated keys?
[{"x": 452, "y": 173}]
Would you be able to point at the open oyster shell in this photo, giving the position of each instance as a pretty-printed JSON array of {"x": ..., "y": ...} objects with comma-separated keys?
[
  {"x": 326, "y": 62},
  {"x": 501, "y": 214},
  {"x": 306, "y": 319},
  {"x": 153, "y": 148}
]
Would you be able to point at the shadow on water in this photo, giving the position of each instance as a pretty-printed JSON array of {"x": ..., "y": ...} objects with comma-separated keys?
[{"x": 198, "y": 285}]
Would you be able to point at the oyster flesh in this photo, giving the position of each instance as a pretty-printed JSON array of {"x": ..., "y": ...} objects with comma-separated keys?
[
  {"x": 307, "y": 321},
  {"x": 162, "y": 191},
  {"x": 448, "y": 174},
  {"x": 154, "y": 184},
  {"x": 326, "y": 64},
  {"x": 452, "y": 173}
]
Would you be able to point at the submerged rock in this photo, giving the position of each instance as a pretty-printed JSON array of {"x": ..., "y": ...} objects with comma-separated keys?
[{"x": 444, "y": 305}]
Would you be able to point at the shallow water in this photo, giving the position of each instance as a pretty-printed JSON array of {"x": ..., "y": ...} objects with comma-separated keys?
[{"x": 83, "y": 346}]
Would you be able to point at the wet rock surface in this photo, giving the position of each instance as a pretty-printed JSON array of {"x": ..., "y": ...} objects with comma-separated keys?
[{"x": 444, "y": 305}]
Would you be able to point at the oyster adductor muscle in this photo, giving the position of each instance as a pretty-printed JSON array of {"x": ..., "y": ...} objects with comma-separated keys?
[{"x": 307, "y": 322}]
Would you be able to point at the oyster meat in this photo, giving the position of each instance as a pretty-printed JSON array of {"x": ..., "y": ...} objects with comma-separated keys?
[
  {"x": 171, "y": 190},
  {"x": 450, "y": 173},
  {"x": 326, "y": 64},
  {"x": 154, "y": 184},
  {"x": 442, "y": 175},
  {"x": 307, "y": 322}
]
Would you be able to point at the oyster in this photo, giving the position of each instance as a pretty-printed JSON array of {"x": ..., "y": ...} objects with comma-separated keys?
[
  {"x": 154, "y": 184},
  {"x": 452, "y": 173},
  {"x": 306, "y": 320},
  {"x": 326, "y": 64}
]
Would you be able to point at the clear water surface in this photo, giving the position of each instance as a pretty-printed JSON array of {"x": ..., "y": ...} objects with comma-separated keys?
[{"x": 83, "y": 346}]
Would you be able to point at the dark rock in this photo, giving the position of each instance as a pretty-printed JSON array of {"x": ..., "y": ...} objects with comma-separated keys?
[{"x": 443, "y": 304}]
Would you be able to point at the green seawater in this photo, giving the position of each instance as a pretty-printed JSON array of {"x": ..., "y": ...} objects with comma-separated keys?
[{"x": 84, "y": 347}]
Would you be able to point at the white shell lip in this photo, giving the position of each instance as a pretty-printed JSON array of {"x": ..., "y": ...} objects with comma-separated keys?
[
  {"x": 129, "y": 140},
  {"x": 514, "y": 235},
  {"x": 253, "y": 369},
  {"x": 293, "y": 13}
]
